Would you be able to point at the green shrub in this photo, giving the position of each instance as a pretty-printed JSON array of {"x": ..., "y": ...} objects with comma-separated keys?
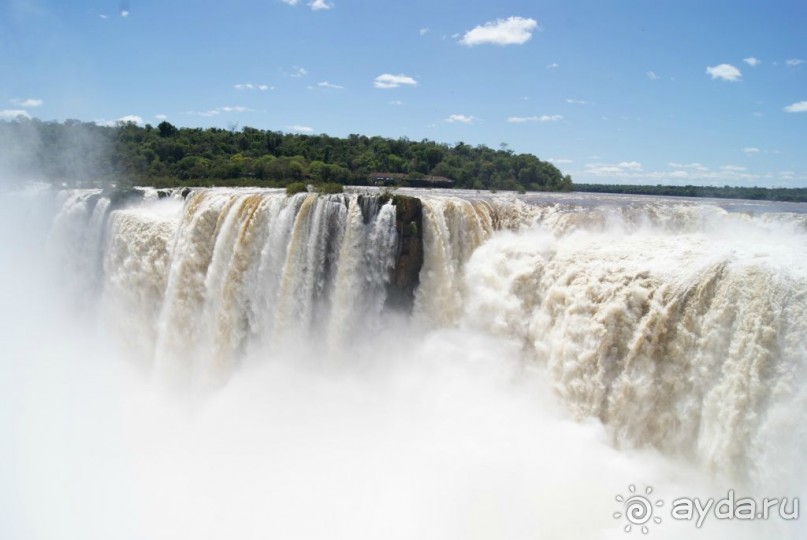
[{"x": 296, "y": 187}]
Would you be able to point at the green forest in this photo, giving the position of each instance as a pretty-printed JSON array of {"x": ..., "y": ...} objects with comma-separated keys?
[{"x": 165, "y": 155}]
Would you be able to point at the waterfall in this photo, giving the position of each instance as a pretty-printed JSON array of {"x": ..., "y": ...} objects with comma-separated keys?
[{"x": 679, "y": 326}]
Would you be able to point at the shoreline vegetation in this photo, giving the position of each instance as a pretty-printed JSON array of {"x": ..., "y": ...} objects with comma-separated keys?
[{"x": 165, "y": 156}]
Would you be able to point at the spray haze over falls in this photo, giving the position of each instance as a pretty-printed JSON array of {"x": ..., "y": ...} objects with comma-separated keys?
[{"x": 679, "y": 326}]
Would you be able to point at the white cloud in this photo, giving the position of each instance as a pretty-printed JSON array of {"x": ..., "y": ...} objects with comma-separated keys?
[
  {"x": 396, "y": 102},
  {"x": 560, "y": 161},
  {"x": 751, "y": 150},
  {"x": 298, "y": 72},
  {"x": 326, "y": 84},
  {"x": 253, "y": 86},
  {"x": 693, "y": 166},
  {"x": 801, "y": 106},
  {"x": 290, "y": 2},
  {"x": 732, "y": 168},
  {"x": 510, "y": 31},
  {"x": 133, "y": 118},
  {"x": 652, "y": 76},
  {"x": 11, "y": 114},
  {"x": 541, "y": 118},
  {"x": 751, "y": 61},
  {"x": 388, "y": 80},
  {"x": 103, "y": 16},
  {"x": 424, "y": 31},
  {"x": 160, "y": 117},
  {"x": 460, "y": 118},
  {"x": 757, "y": 114},
  {"x": 27, "y": 103},
  {"x": 624, "y": 168},
  {"x": 124, "y": 13},
  {"x": 794, "y": 62},
  {"x": 577, "y": 101},
  {"x": 218, "y": 110},
  {"x": 726, "y": 72},
  {"x": 553, "y": 65},
  {"x": 317, "y": 5},
  {"x": 300, "y": 129}
]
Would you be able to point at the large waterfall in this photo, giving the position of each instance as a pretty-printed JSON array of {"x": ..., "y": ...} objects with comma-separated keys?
[{"x": 665, "y": 338}]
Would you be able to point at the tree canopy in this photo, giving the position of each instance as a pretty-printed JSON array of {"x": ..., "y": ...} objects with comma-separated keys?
[{"x": 167, "y": 155}]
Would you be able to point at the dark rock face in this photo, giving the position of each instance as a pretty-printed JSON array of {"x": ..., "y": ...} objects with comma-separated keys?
[{"x": 406, "y": 275}]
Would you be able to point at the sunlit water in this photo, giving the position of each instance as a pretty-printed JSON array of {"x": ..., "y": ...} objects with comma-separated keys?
[{"x": 223, "y": 366}]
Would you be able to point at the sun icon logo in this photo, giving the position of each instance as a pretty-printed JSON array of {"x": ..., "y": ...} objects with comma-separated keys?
[{"x": 638, "y": 509}]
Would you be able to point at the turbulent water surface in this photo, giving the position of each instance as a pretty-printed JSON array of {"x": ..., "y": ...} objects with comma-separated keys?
[{"x": 239, "y": 363}]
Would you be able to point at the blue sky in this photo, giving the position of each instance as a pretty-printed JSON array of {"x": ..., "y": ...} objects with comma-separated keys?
[{"x": 612, "y": 91}]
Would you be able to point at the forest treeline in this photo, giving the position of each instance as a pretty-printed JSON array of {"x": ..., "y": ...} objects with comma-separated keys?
[
  {"x": 165, "y": 155},
  {"x": 717, "y": 192}
]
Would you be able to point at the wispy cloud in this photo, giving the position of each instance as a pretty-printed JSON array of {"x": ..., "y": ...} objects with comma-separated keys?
[
  {"x": 253, "y": 86},
  {"x": 423, "y": 31},
  {"x": 541, "y": 118},
  {"x": 388, "y": 80},
  {"x": 300, "y": 129},
  {"x": 733, "y": 168},
  {"x": 460, "y": 118},
  {"x": 129, "y": 118},
  {"x": 396, "y": 102},
  {"x": 801, "y": 106},
  {"x": 160, "y": 117},
  {"x": 510, "y": 31},
  {"x": 693, "y": 166},
  {"x": 315, "y": 5},
  {"x": 577, "y": 101},
  {"x": 652, "y": 76},
  {"x": 794, "y": 62},
  {"x": 218, "y": 110},
  {"x": 297, "y": 72},
  {"x": 12, "y": 114},
  {"x": 27, "y": 103},
  {"x": 613, "y": 169},
  {"x": 751, "y": 61},
  {"x": 553, "y": 65},
  {"x": 726, "y": 72},
  {"x": 751, "y": 150},
  {"x": 560, "y": 161},
  {"x": 326, "y": 84}
]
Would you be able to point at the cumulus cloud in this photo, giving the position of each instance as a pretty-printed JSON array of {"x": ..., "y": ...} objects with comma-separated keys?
[
  {"x": 801, "y": 106},
  {"x": 388, "y": 80},
  {"x": 317, "y": 5},
  {"x": 541, "y": 118},
  {"x": 652, "y": 76},
  {"x": 461, "y": 119},
  {"x": 218, "y": 110},
  {"x": 160, "y": 117},
  {"x": 27, "y": 103},
  {"x": 300, "y": 129},
  {"x": 751, "y": 61},
  {"x": 510, "y": 31},
  {"x": 726, "y": 72},
  {"x": 13, "y": 114},
  {"x": 253, "y": 86},
  {"x": 326, "y": 84}
]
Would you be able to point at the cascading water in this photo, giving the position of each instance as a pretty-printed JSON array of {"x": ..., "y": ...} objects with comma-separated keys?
[{"x": 678, "y": 326}]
